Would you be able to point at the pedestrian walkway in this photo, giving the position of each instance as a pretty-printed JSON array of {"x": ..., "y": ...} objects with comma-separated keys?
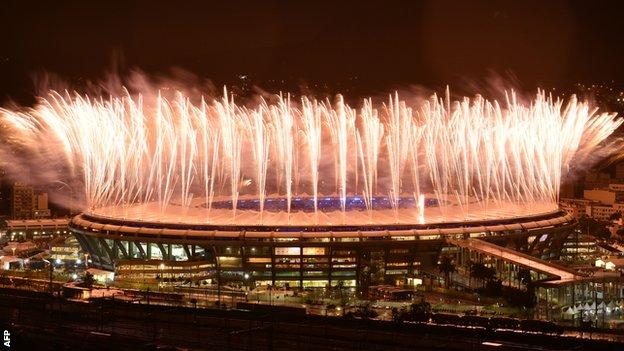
[{"x": 517, "y": 258}]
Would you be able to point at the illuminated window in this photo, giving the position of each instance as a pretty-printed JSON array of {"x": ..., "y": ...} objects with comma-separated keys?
[
  {"x": 403, "y": 238},
  {"x": 396, "y": 271},
  {"x": 288, "y": 251},
  {"x": 315, "y": 283},
  {"x": 345, "y": 283},
  {"x": 226, "y": 261},
  {"x": 314, "y": 251},
  {"x": 397, "y": 264},
  {"x": 313, "y": 273}
]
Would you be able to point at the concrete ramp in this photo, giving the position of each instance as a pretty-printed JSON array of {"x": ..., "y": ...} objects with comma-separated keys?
[{"x": 517, "y": 258}]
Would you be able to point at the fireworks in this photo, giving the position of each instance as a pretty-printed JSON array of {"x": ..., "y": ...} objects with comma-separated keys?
[{"x": 463, "y": 157}]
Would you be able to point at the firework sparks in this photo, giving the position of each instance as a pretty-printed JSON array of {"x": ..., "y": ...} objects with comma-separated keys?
[{"x": 129, "y": 151}]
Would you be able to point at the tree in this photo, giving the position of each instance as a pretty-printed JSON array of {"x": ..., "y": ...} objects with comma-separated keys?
[
  {"x": 88, "y": 280},
  {"x": 524, "y": 276},
  {"x": 615, "y": 216},
  {"x": 420, "y": 311},
  {"x": 493, "y": 288},
  {"x": 365, "y": 312},
  {"x": 520, "y": 298},
  {"x": 398, "y": 316},
  {"x": 477, "y": 270},
  {"x": 490, "y": 274},
  {"x": 447, "y": 267},
  {"x": 481, "y": 272},
  {"x": 526, "y": 298},
  {"x": 590, "y": 226}
]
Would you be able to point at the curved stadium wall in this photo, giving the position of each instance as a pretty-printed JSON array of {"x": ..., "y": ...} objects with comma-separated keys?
[{"x": 300, "y": 256}]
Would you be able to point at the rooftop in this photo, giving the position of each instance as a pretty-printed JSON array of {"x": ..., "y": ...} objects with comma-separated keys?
[{"x": 35, "y": 223}]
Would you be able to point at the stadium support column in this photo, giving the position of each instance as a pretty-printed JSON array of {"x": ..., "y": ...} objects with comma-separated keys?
[
  {"x": 573, "y": 302},
  {"x": 547, "y": 307},
  {"x": 272, "y": 246},
  {"x": 362, "y": 272},
  {"x": 218, "y": 271},
  {"x": 386, "y": 251},
  {"x": 242, "y": 249},
  {"x": 330, "y": 265},
  {"x": 300, "y": 265}
]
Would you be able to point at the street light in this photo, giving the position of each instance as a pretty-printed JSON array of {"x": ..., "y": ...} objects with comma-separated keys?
[
  {"x": 246, "y": 277},
  {"x": 270, "y": 288},
  {"x": 162, "y": 278},
  {"x": 50, "y": 273}
]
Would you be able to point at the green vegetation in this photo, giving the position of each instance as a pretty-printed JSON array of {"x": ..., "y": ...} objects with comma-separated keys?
[{"x": 446, "y": 265}]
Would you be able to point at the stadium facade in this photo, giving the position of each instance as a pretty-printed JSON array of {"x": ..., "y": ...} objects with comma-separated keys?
[{"x": 301, "y": 256}]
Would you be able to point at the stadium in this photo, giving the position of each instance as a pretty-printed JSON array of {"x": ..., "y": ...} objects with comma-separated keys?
[
  {"x": 302, "y": 255},
  {"x": 311, "y": 193}
]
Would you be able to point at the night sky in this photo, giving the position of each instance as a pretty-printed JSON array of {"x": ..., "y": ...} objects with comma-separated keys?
[{"x": 370, "y": 48}]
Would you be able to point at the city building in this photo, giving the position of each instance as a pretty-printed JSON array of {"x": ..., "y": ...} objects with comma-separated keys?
[
  {"x": 579, "y": 248},
  {"x": 601, "y": 212},
  {"x": 604, "y": 196},
  {"x": 26, "y": 203},
  {"x": 597, "y": 203},
  {"x": 36, "y": 228},
  {"x": 15, "y": 248},
  {"x": 619, "y": 171},
  {"x": 575, "y": 207},
  {"x": 40, "y": 207},
  {"x": 597, "y": 180},
  {"x": 5, "y": 193},
  {"x": 65, "y": 250},
  {"x": 22, "y": 198}
]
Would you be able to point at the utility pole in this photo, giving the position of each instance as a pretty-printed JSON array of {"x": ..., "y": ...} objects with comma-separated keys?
[
  {"x": 51, "y": 269},
  {"x": 50, "y": 276}
]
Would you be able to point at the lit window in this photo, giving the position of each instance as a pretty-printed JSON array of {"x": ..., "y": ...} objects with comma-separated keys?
[
  {"x": 287, "y": 251},
  {"x": 314, "y": 251}
]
